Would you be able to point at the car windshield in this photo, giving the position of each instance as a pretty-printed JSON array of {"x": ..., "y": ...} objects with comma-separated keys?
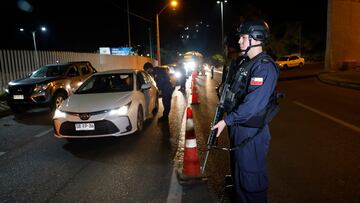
[
  {"x": 49, "y": 71},
  {"x": 283, "y": 58},
  {"x": 107, "y": 83}
]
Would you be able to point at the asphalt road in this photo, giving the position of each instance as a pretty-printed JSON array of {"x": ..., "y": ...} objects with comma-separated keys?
[
  {"x": 314, "y": 153},
  {"x": 37, "y": 167}
]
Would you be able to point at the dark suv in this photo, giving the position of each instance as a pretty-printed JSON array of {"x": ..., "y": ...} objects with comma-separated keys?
[{"x": 47, "y": 86}]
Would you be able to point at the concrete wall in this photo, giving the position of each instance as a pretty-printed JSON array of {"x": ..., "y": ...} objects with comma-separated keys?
[
  {"x": 343, "y": 35},
  {"x": 19, "y": 63}
]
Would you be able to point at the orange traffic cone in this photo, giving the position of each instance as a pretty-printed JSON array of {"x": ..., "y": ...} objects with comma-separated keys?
[
  {"x": 194, "y": 95},
  {"x": 191, "y": 164}
]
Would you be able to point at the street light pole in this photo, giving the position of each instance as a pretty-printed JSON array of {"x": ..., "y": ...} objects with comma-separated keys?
[
  {"x": 158, "y": 39},
  {"x": 36, "y": 53},
  {"x": 34, "y": 40},
  {"x": 173, "y": 3},
  {"x": 128, "y": 16},
  {"x": 222, "y": 21}
]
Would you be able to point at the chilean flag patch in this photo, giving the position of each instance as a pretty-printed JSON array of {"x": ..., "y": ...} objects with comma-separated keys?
[{"x": 256, "y": 81}]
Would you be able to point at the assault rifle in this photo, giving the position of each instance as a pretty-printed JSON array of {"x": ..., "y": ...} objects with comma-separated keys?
[{"x": 219, "y": 113}]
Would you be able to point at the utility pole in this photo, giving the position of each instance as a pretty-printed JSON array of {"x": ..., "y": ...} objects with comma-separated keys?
[{"x": 128, "y": 15}]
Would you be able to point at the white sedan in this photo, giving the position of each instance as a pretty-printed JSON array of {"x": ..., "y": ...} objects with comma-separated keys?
[{"x": 112, "y": 103}]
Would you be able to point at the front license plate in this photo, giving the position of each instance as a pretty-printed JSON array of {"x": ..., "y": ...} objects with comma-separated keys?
[
  {"x": 18, "y": 96},
  {"x": 84, "y": 126}
]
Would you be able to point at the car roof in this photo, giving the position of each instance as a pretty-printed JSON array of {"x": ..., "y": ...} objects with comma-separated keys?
[
  {"x": 66, "y": 63},
  {"x": 117, "y": 71},
  {"x": 291, "y": 55}
]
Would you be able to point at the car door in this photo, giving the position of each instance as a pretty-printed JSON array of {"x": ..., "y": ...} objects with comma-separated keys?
[
  {"x": 293, "y": 61},
  {"x": 74, "y": 77},
  {"x": 143, "y": 79}
]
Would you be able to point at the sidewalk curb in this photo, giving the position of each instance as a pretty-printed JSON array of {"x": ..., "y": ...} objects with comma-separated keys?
[{"x": 338, "y": 82}]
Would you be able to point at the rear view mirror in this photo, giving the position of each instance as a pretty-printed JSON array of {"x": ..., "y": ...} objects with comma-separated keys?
[{"x": 145, "y": 86}]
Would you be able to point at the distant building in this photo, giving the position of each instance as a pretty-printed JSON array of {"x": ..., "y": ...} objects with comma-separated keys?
[{"x": 343, "y": 35}]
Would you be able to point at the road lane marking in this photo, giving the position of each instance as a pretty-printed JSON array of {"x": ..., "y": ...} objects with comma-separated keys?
[
  {"x": 353, "y": 127},
  {"x": 2, "y": 153},
  {"x": 43, "y": 133},
  {"x": 175, "y": 190}
]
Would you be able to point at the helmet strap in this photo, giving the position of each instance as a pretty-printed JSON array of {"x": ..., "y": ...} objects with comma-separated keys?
[{"x": 249, "y": 47}]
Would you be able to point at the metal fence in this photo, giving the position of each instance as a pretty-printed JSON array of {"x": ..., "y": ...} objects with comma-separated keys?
[{"x": 20, "y": 63}]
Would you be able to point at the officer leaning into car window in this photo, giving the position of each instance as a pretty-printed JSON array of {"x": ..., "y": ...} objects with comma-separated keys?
[
  {"x": 162, "y": 79},
  {"x": 248, "y": 161}
]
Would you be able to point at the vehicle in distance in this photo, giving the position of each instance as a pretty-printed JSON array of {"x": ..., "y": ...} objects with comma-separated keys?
[
  {"x": 290, "y": 61},
  {"x": 48, "y": 86},
  {"x": 169, "y": 70},
  {"x": 110, "y": 103},
  {"x": 176, "y": 73}
]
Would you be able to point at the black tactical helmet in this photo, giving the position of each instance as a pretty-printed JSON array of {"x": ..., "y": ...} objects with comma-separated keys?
[{"x": 256, "y": 29}]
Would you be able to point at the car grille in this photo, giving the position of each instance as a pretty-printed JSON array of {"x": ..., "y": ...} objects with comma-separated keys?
[
  {"x": 21, "y": 89},
  {"x": 101, "y": 128},
  {"x": 25, "y": 90}
]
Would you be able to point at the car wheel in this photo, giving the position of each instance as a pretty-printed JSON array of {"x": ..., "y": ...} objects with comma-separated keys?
[
  {"x": 58, "y": 99},
  {"x": 301, "y": 65},
  {"x": 156, "y": 107},
  {"x": 140, "y": 119},
  {"x": 285, "y": 67}
]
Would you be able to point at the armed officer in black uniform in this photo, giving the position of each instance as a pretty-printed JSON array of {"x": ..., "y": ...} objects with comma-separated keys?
[
  {"x": 245, "y": 118},
  {"x": 163, "y": 82}
]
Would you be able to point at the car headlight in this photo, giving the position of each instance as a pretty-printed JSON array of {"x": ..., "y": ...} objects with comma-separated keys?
[
  {"x": 41, "y": 87},
  {"x": 122, "y": 111},
  {"x": 59, "y": 114},
  {"x": 6, "y": 89}
]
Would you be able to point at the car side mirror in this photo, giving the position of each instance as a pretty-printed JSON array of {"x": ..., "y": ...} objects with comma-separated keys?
[{"x": 145, "y": 86}]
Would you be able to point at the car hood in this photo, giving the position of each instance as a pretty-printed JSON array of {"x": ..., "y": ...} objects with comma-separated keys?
[
  {"x": 79, "y": 103},
  {"x": 32, "y": 81}
]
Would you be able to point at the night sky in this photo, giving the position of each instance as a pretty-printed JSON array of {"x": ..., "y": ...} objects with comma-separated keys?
[{"x": 84, "y": 26}]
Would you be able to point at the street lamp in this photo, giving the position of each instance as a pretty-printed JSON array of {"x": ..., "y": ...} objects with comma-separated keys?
[
  {"x": 173, "y": 4},
  {"x": 221, "y": 2},
  {"x": 43, "y": 29}
]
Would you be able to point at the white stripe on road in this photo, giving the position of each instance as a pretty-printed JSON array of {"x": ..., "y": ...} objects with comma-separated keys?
[
  {"x": 2, "y": 153},
  {"x": 43, "y": 133},
  {"x": 353, "y": 127},
  {"x": 175, "y": 190}
]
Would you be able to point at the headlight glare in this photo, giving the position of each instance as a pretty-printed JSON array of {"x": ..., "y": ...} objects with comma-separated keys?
[
  {"x": 41, "y": 87},
  {"x": 59, "y": 114},
  {"x": 122, "y": 111}
]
